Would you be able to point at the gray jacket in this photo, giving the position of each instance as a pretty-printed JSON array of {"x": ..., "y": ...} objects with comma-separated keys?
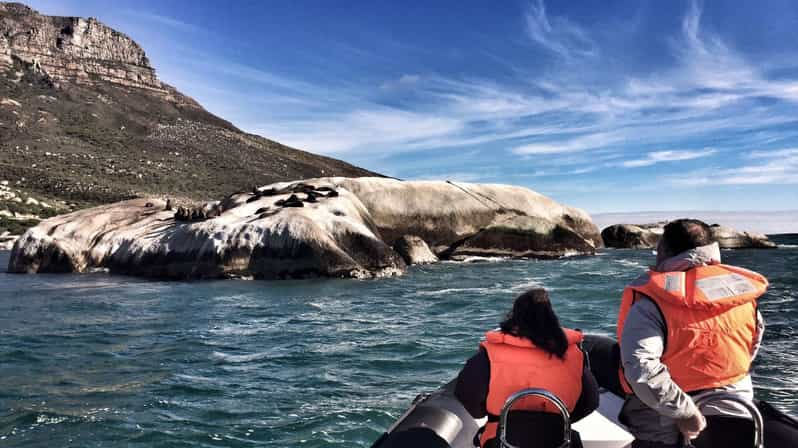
[{"x": 658, "y": 401}]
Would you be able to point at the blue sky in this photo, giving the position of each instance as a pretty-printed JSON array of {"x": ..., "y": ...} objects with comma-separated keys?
[{"x": 611, "y": 106}]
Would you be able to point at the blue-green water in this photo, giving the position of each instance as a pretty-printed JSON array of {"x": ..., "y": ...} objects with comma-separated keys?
[{"x": 100, "y": 360}]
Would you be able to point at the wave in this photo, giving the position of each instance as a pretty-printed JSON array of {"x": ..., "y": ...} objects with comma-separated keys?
[
  {"x": 25, "y": 420},
  {"x": 239, "y": 359},
  {"x": 788, "y": 246},
  {"x": 436, "y": 292},
  {"x": 478, "y": 259},
  {"x": 630, "y": 263}
]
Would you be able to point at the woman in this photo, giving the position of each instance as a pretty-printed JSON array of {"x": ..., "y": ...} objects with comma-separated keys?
[{"x": 530, "y": 350}]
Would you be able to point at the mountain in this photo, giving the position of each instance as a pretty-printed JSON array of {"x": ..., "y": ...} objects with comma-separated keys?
[{"x": 84, "y": 120}]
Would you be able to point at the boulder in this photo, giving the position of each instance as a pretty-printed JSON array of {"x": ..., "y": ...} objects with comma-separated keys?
[
  {"x": 729, "y": 238},
  {"x": 631, "y": 236},
  {"x": 524, "y": 237},
  {"x": 414, "y": 250},
  {"x": 334, "y": 227}
]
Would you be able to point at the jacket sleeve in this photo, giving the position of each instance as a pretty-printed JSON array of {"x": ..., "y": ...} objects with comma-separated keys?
[
  {"x": 642, "y": 346},
  {"x": 472, "y": 384},
  {"x": 589, "y": 399}
]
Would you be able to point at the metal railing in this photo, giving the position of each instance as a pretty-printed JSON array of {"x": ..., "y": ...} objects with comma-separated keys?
[
  {"x": 543, "y": 393},
  {"x": 759, "y": 426}
]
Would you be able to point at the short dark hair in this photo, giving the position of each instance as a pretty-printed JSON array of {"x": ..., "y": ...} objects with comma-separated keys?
[
  {"x": 686, "y": 234},
  {"x": 533, "y": 318}
]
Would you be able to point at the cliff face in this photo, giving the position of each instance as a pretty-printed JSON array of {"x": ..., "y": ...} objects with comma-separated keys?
[
  {"x": 84, "y": 120},
  {"x": 73, "y": 49}
]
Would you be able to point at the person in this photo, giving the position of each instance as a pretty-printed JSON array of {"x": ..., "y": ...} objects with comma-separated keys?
[
  {"x": 530, "y": 350},
  {"x": 689, "y": 326}
]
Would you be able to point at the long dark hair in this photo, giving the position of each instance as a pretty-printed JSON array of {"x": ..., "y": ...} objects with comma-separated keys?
[{"x": 532, "y": 317}]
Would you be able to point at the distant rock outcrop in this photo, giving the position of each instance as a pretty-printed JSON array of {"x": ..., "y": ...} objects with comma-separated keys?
[
  {"x": 631, "y": 236},
  {"x": 646, "y": 236},
  {"x": 340, "y": 227},
  {"x": 729, "y": 238}
]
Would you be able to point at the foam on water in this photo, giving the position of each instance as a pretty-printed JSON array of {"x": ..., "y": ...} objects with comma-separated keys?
[{"x": 98, "y": 360}]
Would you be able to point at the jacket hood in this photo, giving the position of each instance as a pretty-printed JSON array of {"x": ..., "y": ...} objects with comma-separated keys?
[{"x": 700, "y": 256}]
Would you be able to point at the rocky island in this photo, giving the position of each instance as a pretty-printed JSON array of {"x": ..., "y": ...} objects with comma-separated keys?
[
  {"x": 336, "y": 227},
  {"x": 646, "y": 236}
]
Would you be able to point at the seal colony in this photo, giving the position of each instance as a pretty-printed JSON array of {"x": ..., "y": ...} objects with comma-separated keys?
[{"x": 331, "y": 227}]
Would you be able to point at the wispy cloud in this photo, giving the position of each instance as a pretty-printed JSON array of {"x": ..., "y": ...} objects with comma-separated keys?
[
  {"x": 158, "y": 19},
  {"x": 668, "y": 156},
  {"x": 363, "y": 130},
  {"x": 582, "y": 143},
  {"x": 558, "y": 34},
  {"x": 566, "y": 102}
]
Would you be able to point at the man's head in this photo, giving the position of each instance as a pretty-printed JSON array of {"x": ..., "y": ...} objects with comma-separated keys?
[{"x": 682, "y": 235}]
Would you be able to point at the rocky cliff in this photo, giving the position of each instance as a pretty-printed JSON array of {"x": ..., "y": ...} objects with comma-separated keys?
[
  {"x": 73, "y": 49},
  {"x": 339, "y": 227},
  {"x": 84, "y": 120}
]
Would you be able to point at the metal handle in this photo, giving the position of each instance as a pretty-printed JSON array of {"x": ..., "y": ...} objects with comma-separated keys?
[
  {"x": 543, "y": 393},
  {"x": 759, "y": 426}
]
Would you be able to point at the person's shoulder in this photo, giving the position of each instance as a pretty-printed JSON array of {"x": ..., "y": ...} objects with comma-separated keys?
[
  {"x": 645, "y": 310},
  {"x": 641, "y": 280}
]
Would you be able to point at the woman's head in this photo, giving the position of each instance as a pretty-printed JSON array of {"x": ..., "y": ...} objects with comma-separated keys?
[{"x": 532, "y": 317}]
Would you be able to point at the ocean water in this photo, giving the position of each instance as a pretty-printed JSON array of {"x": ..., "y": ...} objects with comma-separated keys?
[{"x": 99, "y": 360}]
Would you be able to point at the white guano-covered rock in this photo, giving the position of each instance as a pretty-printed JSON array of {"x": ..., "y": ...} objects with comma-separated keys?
[{"x": 340, "y": 227}]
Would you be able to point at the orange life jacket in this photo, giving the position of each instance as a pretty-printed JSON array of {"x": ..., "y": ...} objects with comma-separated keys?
[
  {"x": 710, "y": 319},
  {"x": 516, "y": 364}
]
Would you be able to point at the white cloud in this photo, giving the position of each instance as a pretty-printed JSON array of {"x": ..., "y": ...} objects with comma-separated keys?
[
  {"x": 777, "y": 153},
  {"x": 404, "y": 81},
  {"x": 668, "y": 156},
  {"x": 780, "y": 167}
]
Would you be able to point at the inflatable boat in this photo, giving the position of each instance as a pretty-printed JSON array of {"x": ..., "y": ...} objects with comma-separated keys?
[{"x": 438, "y": 420}]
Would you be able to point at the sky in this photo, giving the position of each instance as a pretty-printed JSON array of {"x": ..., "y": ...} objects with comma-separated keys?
[{"x": 610, "y": 106}]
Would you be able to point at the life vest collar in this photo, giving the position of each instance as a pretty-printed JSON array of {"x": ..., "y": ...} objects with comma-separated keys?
[
  {"x": 499, "y": 337},
  {"x": 714, "y": 286}
]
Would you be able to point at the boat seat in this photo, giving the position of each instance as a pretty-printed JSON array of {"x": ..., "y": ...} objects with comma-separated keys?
[{"x": 507, "y": 409}]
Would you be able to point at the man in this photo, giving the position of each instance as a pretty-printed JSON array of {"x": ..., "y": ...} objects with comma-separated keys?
[{"x": 690, "y": 325}]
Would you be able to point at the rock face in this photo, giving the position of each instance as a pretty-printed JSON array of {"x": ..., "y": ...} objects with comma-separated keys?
[
  {"x": 85, "y": 120},
  {"x": 340, "y": 227},
  {"x": 631, "y": 236},
  {"x": 646, "y": 236},
  {"x": 414, "y": 250}
]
